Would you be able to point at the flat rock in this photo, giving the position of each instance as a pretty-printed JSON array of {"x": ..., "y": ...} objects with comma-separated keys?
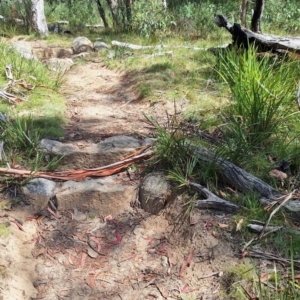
[
  {"x": 104, "y": 153},
  {"x": 24, "y": 49},
  {"x": 103, "y": 195},
  {"x": 59, "y": 64},
  {"x": 154, "y": 193},
  {"x": 39, "y": 191}
]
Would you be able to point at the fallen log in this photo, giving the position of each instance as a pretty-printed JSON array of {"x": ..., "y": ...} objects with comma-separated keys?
[
  {"x": 244, "y": 181},
  {"x": 265, "y": 42},
  {"x": 159, "y": 47}
]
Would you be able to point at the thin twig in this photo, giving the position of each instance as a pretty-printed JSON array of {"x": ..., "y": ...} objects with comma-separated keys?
[{"x": 285, "y": 200}]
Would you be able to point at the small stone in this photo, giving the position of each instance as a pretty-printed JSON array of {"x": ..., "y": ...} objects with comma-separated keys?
[
  {"x": 155, "y": 192},
  {"x": 91, "y": 253},
  {"x": 39, "y": 191},
  {"x": 164, "y": 261}
]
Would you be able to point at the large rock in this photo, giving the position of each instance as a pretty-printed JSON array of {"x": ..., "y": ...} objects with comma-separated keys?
[
  {"x": 24, "y": 49},
  {"x": 98, "y": 46},
  {"x": 82, "y": 44},
  {"x": 39, "y": 191},
  {"x": 103, "y": 195},
  {"x": 104, "y": 153},
  {"x": 155, "y": 192},
  {"x": 59, "y": 64}
]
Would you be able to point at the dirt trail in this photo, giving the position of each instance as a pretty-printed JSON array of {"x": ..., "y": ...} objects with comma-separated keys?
[{"x": 137, "y": 256}]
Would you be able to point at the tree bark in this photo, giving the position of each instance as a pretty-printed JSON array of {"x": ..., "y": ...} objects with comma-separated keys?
[
  {"x": 244, "y": 181},
  {"x": 38, "y": 19},
  {"x": 257, "y": 15},
  {"x": 114, "y": 6},
  {"x": 264, "y": 42},
  {"x": 243, "y": 13},
  {"x": 102, "y": 13}
]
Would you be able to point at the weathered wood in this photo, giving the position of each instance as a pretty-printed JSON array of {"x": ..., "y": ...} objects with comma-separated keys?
[
  {"x": 212, "y": 201},
  {"x": 244, "y": 181},
  {"x": 265, "y": 42}
]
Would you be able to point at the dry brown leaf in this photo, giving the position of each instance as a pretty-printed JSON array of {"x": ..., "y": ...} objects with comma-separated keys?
[
  {"x": 278, "y": 174},
  {"x": 239, "y": 225},
  {"x": 223, "y": 194},
  {"x": 214, "y": 233},
  {"x": 186, "y": 263},
  {"x": 223, "y": 225}
]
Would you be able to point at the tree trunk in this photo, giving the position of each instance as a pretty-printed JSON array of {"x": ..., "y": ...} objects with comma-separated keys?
[
  {"x": 265, "y": 42},
  {"x": 38, "y": 19},
  {"x": 257, "y": 15},
  {"x": 102, "y": 13},
  {"x": 128, "y": 4},
  {"x": 243, "y": 13},
  {"x": 114, "y": 7}
]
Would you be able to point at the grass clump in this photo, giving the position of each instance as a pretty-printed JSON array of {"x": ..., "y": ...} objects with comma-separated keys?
[
  {"x": 261, "y": 119},
  {"x": 21, "y": 137}
]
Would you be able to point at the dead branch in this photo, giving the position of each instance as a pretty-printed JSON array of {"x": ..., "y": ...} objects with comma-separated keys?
[
  {"x": 139, "y": 47},
  {"x": 285, "y": 200},
  {"x": 212, "y": 201},
  {"x": 244, "y": 181},
  {"x": 81, "y": 174},
  {"x": 133, "y": 46},
  {"x": 265, "y": 255},
  {"x": 265, "y": 42},
  {"x": 259, "y": 228}
]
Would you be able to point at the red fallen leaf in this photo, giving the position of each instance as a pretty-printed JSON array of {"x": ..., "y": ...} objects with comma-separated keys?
[
  {"x": 208, "y": 224},
  {"x": 52, "y": 212},
  {"x": 90, "y": 280},
  {"x": 186, "y": 263},
  {"x": 97, "y": 242},
  {"x": 19, "y": 225},
  {"x": 184, "y": 289},
  {"x": 162, "y": 249},
  {"x": 119, "y": 238},
  {"x": 83, "y": 259}
]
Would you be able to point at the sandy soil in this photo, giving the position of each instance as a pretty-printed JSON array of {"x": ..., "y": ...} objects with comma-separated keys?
[{"x": 135, "y": 256}]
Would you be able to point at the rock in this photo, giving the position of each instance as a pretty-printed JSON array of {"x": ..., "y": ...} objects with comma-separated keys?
[
  {"x": 155, "y": 192},
  {"x": 24, "y": 49},
  {"x": 98, "y": 46},
  {"x": 82, "y": 44},
  {"x": 39, "y": 191},
  {"x": 59, "y": 64},
  {"x": 104, "y": 153},
  {"x": 103, "y": 195}
]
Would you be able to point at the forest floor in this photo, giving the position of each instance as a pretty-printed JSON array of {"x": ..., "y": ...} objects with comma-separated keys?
[{"x": 140, "y": 256}]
